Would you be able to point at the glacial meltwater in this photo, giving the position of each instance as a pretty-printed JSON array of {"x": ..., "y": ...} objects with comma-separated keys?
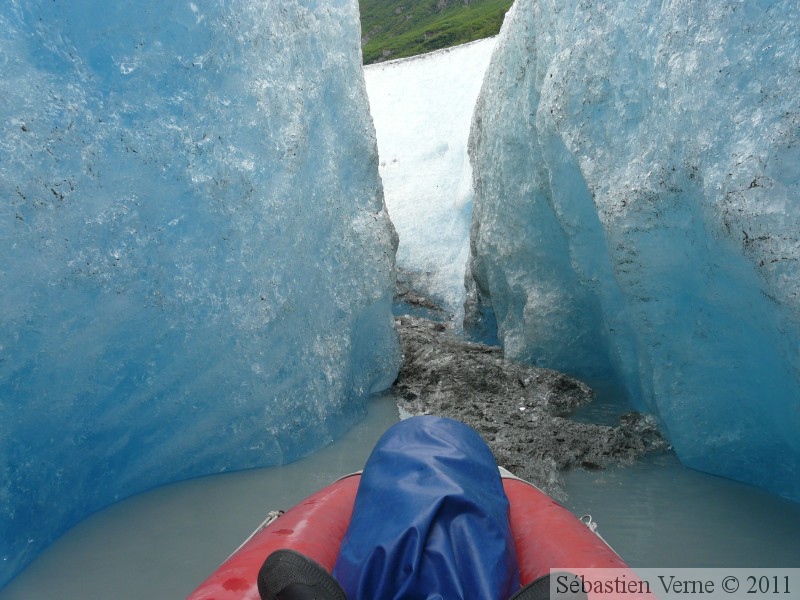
[
  {"x": 162, "y": 544},
  {"x": 658, "y": 513}
]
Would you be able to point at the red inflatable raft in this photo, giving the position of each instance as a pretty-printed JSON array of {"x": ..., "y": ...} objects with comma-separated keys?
[{"x": 546, "y": 536}]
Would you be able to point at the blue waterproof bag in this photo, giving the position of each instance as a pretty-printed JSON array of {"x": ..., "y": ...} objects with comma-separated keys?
[{"x": 430, "y": 519}]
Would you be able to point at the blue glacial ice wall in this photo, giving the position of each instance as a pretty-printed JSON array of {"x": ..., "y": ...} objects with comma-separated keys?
[
  {"x": 197, "y": 265},
  {"x": 637, "y": 212}
]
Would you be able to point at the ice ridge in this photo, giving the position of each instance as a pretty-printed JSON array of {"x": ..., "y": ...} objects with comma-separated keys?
[
  {"x": 637, "y": 174},
  {"x": 197, "y": 264}
]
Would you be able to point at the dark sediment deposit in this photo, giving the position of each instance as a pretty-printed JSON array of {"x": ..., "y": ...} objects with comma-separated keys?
[
  {"x": 409, "y": 284},
  {"x": 520, "y": 410}
]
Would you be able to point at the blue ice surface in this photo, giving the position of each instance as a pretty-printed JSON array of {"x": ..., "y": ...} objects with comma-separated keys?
[
  {"x": 197, "y": 265},
  {"x": 637, "y": 209}
]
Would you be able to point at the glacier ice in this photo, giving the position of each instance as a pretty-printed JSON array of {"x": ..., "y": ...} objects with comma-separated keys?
[
  {"x": 197, "y": 264},
  {"x": 637, "y": 176},
  {"x": 422, "y": 107}
]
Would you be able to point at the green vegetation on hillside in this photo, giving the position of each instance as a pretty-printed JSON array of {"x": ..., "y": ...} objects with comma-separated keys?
[{"x": 397, "y": 28}]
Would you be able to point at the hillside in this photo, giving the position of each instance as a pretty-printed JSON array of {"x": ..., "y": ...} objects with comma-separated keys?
[{"x": 397, "y": 28}]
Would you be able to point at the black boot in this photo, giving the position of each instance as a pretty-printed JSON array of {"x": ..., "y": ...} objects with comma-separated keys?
[
  {"x": 288, "y": 575},
  {"x": 540, "y": 590}
]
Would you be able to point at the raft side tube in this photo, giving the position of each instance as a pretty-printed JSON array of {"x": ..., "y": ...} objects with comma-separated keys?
[
  {"x": 314, "y": 527},
  {"x": 548, "y": 536}
]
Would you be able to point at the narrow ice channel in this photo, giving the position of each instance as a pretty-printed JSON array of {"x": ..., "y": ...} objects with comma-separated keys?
[
  {"x": 422, "y": 109},
  {"x": 163, "y": 543}
]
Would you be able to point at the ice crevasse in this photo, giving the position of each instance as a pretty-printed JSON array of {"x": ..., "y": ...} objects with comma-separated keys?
[
  {"x": 422, "y": 108},
  {"x": 197, "y": 265},
  {"x": 637, "y": 212}
]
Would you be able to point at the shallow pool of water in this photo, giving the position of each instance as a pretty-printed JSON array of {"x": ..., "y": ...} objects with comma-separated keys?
[
  {"x": 658, "y": 513},
  {"x": 163, "y": 543}
]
